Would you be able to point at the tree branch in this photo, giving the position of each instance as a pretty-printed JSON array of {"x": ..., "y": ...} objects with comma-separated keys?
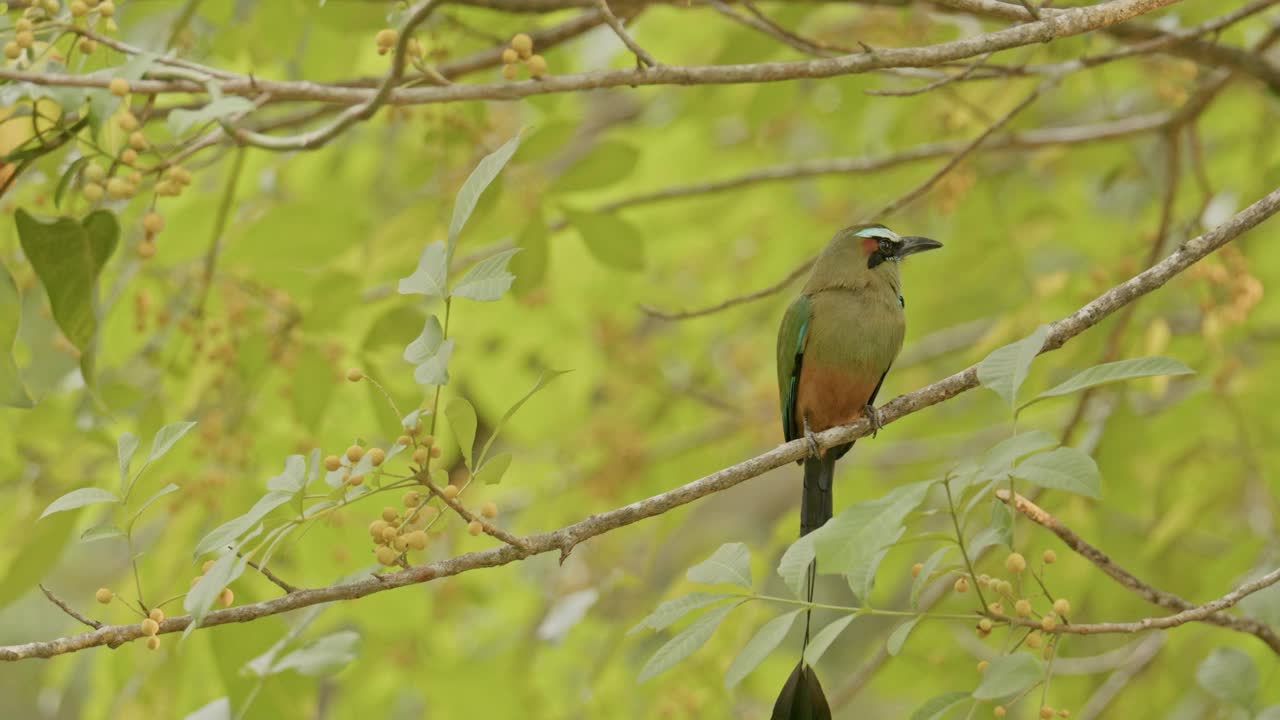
[
  {"x": 68, "y": 610},
  {"x": 1152, "y": 595},
  {"x": 567, "y": 537}
]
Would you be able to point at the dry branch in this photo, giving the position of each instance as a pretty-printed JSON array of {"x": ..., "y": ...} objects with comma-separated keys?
[{"x": 566, "y": 538}]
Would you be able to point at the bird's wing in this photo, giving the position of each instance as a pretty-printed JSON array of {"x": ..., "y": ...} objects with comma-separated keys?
[{"x": 791, "y": 341}]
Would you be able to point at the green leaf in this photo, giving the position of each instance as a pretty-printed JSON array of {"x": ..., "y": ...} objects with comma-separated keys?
[
  {"x": 1229, "y": 675},
  {"x": 180, "y": 121},
  {"x": 469, "y": 194},
  {"x": 899, "y": 635},
  {"x": 793, "y": 567},
  {"x": 997, "y": 461},
  {"x": 930, "y": 564},
  {"x": 167, "y": 489},
  {"x": 607, "y": 163},
  {"x": 166, "y": 437},
  {"x": 494, "y": 468},
  {"x": 227, "y": 532},
  {"x": 853, "y": 542},
  {"x": 1005, "y": 368},
  {"x": 938, "y": 707},
  {"x": 68, "y": 177},
  {"x": 13, "y": 392},
  {"x": 530, "y": 266},
  {"x": 219, "y": 709},
  {"x": 36, "y": 556},
  {"x": 672, "y": 610},
  {"x": 999, "y": 532},
  {"x": 1113, "y": 372},
  {"x": 200, "y": 598},
  {"x": 294, "y": 477},
  {"x": 613, "y": 241},
  {"x": 685, "y": 643},
  {"x": 730, "y": 563},
  {"x": 101, "y": 532},
  {"x": 78, "y": 499},
  {"x": 759, "y": 647},
  {"x": 68, "y": 257},
  {"x": 435, "y": 369},
  {"x": 819, "y": 643},
  {"x": 488, "y": 280},
  {"x": 325, "y": 656},
  {"x": 1063, "y": 469},
  {"x": 462, "y": 421},
  {"x": 126, "y": 446},
  {"x": 543, "y": 380},
  {"x": 1008, "y": 675},
  {"x": 431, "y": 277}
]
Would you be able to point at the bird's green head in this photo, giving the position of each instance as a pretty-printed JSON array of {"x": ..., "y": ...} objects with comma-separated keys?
[{"x": 880, "y": 244}]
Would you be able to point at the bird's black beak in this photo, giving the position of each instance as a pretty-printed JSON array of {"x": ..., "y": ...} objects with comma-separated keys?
[{"x": 913, "y": 244}]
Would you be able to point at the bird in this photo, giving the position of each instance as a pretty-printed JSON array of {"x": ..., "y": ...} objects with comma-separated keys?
[{"x": 837, "y": 341}]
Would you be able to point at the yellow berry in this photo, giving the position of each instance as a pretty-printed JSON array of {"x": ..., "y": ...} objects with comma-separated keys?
[
  {"x": 135, "y": 179},
  {"x": 153, "y": 222},
  {"x": 93, "y": 192},
  {"x": 983, "y": 665},
  {"x": 537, "y": 66},
  {"x": 1006, "y": 588},
  {"x": 427, "y": 441},
  {"x": 207, "y": 566},
  {"x": 385, "y": 555},
  {"x": 475, "y": 527},
  {"x": 1022, "y": 608},
  {"x": 78, "y": 8},
  {"x": 355, "y": 375},
  {"x": 128, "y": 122},
  {"x": 917, "y": 569},
  {"x": 118, "y": 187},
  {"x": 138, "y": 141},
  {"x": 489, "y": 510},
  {"x": 118, "y": 87},
  {"x": 411, "y": 499},
  {"x": 962, "y": 585},
  {"x": 984, "y": 580},
  {"x": 156, "y": 614},
  {"x": 1046, "y": 712},
  {"x": 1048, "y": 623},
  {"x": 25, "y": 39},
  {"x": 129, "y": 156},
  {"x": 1050, "y": 557},
  {"x": 417, "y": 539},
  {"x": 153, "y": 643},
  {"x": 376, "y": 527},
  {"x": 87, "y": 45},
  {"x": 386, "y": 38},
  {"x": 400, "y": 543},
  {"x": 332, "y": 463},
  {"x": 1015, "y": 563},
  {"x": 404, "y": 440},
  {"x": 436, "y": 451},
  {"x": 377, "y": 456},
  {"x": 420, "y": 456},
  {"x": 354, "y": 453},
  {"x": 103, "y": 595},
  {"x": 509, "y": 72},
  {"x": 389, "y": 533},
  {"x": 390, "y": 514},
  {"x": 226, "y": 597},
  {"x": 107, "y": 9},
  {"x": 1062, "y": 606},
  {"x": 357, "y": 480},
  {"x": 95, "y": 173},
  {"x": 22, "y": 24},
  {"x": 1034, "y": 641},
  {"x": 985, "y": 625},
  {"x": 510, "y": 56},
  {"x": 1064, "y": 713},
  {"x": 150, "y": 627},
  {"x": 998, "y": 711},
  {"x": 450, "y": 491},
  {"x": 995, "y": 608},
  {"x": 522, "y": 44},
  {"x": 11, "y": 50}
]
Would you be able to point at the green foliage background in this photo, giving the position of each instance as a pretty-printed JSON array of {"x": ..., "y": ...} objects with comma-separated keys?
[{"x": 304, "y": 288}]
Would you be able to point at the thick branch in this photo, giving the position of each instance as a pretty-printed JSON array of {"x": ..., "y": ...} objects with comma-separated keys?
[{"x": 567, "y": 537}]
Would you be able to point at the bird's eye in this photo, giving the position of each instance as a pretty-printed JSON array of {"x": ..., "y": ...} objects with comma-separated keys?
[{"x": 884, "y": 246}]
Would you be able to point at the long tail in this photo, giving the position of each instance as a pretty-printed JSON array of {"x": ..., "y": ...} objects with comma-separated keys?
[{"x": 802, "y": 697}]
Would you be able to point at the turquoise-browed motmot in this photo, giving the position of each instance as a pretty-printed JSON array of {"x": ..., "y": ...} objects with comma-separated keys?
[{"x": 836, "y": 344}]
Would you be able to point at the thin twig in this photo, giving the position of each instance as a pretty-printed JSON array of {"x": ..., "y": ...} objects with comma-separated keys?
[
  {"x": 1157, "y": 597},
  {"x": 935, "y": 84},
  {"x": 276, "y": 579},
  {"x": 566, "y": 538},
  {"x": 643, "y": 59},
  {"x": 470, "y": 517},
  {"x": 67, "y": 608}
]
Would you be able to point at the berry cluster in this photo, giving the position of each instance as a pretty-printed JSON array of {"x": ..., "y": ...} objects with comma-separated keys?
[{"x": 521, "y": 52}]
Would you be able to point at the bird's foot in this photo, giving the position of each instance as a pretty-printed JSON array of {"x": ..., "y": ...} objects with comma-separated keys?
[
  {"x": 814, "y": 450},
  {"x": 873, "y": 416}
]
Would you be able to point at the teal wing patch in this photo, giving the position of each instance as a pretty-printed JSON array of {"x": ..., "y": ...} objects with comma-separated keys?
[{"x": 791, "y": 342}]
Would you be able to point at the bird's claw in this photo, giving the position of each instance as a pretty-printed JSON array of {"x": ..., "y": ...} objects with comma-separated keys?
[
  {"x": 814, "y": 449},
  {"x": 873, "y": 416}
]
